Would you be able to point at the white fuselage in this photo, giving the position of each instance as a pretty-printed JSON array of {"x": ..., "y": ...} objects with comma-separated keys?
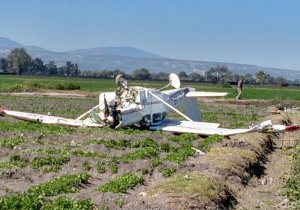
[{"x": 143, "y": 106}]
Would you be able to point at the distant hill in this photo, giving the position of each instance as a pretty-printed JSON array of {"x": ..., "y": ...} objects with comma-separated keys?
[
  {"x": 128, "y": 59},
  {"x": 121, "y": 51}
]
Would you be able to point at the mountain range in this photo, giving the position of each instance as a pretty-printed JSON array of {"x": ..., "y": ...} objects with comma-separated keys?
[{"x": 128, "y": 59}]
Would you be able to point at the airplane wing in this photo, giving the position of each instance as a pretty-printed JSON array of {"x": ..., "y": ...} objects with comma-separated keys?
[
  {"x": 208, "y": 129},
  {"x": 205, "y": 94},
  {"x": 201, "y": 128},
  {"x": 50, "y": 119}
]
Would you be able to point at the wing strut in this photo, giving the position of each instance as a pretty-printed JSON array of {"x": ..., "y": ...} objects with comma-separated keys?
[
  {"x": 171, "y": 107},
  {"x": 86, "y": 113}
]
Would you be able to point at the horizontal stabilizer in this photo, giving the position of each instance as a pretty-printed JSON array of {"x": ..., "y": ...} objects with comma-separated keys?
[{"x": 205, "y": 94}]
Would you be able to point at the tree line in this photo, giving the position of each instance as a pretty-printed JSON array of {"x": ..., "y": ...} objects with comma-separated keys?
[{"x": 19, "y": 62}]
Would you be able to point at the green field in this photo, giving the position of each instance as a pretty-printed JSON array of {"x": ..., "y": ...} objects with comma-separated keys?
[{"x": 35, "y": 83}]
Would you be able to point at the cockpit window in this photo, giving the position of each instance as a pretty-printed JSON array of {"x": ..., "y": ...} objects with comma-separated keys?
[{"x": 158, "y": 117}]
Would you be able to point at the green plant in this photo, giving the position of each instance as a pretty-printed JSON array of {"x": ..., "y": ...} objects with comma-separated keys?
[
  {"x": 143, "y": 153},
  {"x": 206, "y": 143},
  {"x": 103, "y": 206},
  {"x": 155, "y": 161},
  {"x": 167, "y": 172},
  {"x": 14, "y": 161},
  {"x": 119, "y": 202},
  {"x": 64, "y": 203},
  {"x": 87, "y": 153},
  {"x": 42, "y": 129},
  {"x": 115, "y": 144},
  {"x": 68, "y": 86},
  {"x": 145, "y": 171},
  {"x": 147, "y": 142},
  {"x": 33, "y": 198},
  {"x": 181, "y": 154},
  {"x": 54, "y": 162},
  {"x": 165, "y": 147},
  {"x": 100, "y": 167},
  {"x": 11, "y": 142},
  {"x": 122, "y": 183},
  {"x": 86, "y": 165},
  {"x": 113, "y": 166},
  {"x": 187, "y": 137}
]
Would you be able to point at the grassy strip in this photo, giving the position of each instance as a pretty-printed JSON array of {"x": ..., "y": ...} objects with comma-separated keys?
[
  {"x": 35, "y": 82},
  {"x": 189, "y": 191},
  {"x": 122, "y": 183},
  {"x": 33, "y": 198},
  {"x": 293, "y": 183}
]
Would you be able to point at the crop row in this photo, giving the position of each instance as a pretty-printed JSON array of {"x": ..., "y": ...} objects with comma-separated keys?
[{"x": 36, "y": 197}]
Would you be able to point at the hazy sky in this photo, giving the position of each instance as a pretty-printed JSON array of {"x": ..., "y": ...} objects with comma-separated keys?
[{"x": 261, "y": 32}]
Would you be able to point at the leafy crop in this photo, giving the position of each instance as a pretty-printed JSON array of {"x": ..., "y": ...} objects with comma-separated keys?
[
  {"x": 54, "y": 162},
  {"x": 14, "y": 161},
  {"x": 100, "y": 167},
  {"x": 45, "y": 129},
  {"x": 142, "y": 153},
  {"x": 87, "y": 153},
  {"x": 120, "y": 144},
  {"x": 113, "y": 166},
  {"x": 32, "y": 199},
  {"x": 122, "y": 183},
  {"x": 86, "y": 165},
  {"x": 63, "y": 203},
  {"x": 206, "y": 143},
  {"x": 156, "y": 161},
  {"x": 187, "y": 137},
  {"x": 181, "y": 154},
  {"x": 167, "y": 172},
  {"x": 11, "y": 142},
  {"x": 165, "y": 147},
  {"x": 147, "y": 142}
]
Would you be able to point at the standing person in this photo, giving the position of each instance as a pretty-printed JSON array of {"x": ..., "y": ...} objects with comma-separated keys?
[{"x": 240, "y": 88}]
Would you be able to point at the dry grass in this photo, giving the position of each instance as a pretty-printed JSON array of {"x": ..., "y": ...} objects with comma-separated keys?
[
  {"x": 231, "y": 159},
  {"x": 190, "y": 191}
]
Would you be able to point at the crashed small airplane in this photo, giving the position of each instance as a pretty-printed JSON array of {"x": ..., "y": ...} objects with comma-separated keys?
[{"x": 148, "y": 108}]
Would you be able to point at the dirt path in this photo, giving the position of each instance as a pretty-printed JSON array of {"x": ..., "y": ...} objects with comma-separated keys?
[{"x": 265, "y": 192}]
